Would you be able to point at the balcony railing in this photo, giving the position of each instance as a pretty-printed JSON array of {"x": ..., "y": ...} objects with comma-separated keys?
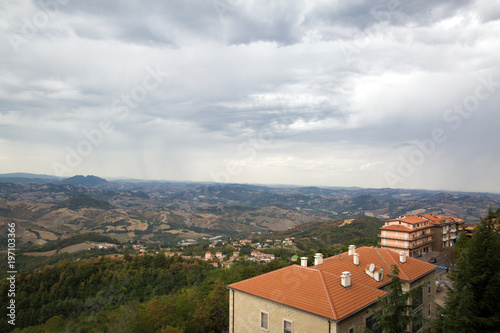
[
  {"x": 409, "y": 247},
  {"x": 406, "y": 239}
]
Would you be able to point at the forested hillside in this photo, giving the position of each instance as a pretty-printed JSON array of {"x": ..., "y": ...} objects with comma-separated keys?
[
  {"x": 360, "y": 230},
  {"x": 129, "y": 294}
]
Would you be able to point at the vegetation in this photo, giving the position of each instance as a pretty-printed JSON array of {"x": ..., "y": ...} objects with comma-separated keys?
[
  {"x": 129, "y": 294},
  {"x": 362, "y": 230},
  {"x": 76, "y": 239},
  {"x": 84, "y": 201},
  {"x": 396, "y": 312},
  {"x": 473, "y": 303}
]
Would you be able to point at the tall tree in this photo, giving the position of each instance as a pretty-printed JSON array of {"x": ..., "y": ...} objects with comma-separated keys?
[
  {"x": 473, "y": 302},
  {"x": 396, "y": 312}
]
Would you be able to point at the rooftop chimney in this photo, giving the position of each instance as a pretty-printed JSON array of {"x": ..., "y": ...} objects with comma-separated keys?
[
  {"x": 345, "y": 279},
  {"x": 355, "y": 258},
  {"x": 303, "y": 261},
  {"x": 402, "y": 257},
  {"x": 352, "y": 249},
  {"x": 318, "y": 259}
]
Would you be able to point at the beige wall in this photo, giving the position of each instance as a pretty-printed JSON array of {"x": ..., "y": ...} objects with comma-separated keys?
[
  {"x": 247, "y": 317},
  {"x": 247, "y": 310},
  {"x": 429, "y": 298}
]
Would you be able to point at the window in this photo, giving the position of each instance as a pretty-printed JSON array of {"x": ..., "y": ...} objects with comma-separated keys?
[
  {"x": 419, "y": 298},
  {"x": 351, "y": 330},
  {"x": 287, "y": 326},
  {"x": 416, "y": 325},
  {"x": 429, "y": 310},
  {"x": 264, "y": 320},
  {"x": 371, "y": 324},
  {"x": 429, "y": 287}
]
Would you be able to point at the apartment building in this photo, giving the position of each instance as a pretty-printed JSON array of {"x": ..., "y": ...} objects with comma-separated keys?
[
  {"x": 338, "y": 294},
  {"x": 446, "y": 230},
  {"x": 417, "y": 235}
]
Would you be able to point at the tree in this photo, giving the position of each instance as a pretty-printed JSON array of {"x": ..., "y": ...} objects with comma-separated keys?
[
  {"x": 396, "y": 312},
  {"x": 473, "y": 303}
]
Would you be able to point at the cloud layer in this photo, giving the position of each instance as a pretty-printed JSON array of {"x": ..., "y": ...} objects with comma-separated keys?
[{"x": 338, "y": 93}]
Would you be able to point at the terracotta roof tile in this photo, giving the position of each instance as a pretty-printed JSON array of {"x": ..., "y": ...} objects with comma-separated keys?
[
  {"x": 410, "y": 219},
  {"x": 318, "y": 289},
  {"x": 397, "y": 227}
]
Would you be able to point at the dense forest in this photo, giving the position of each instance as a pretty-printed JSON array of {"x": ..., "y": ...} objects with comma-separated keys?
[
  {"x": 148, "y": 293},
  {"x": 472, "y": 304}
]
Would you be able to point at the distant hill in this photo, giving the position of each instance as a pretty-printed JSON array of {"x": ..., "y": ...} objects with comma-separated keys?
[
  {"x": 339, "y": 231},
  {"x": 28, "y": 178},
  {"x": 84, "y": 181},
  {"x": 165, "y": 212},
  {"x": 27, "y": 175},
  {"x": 85, "y": 201}
]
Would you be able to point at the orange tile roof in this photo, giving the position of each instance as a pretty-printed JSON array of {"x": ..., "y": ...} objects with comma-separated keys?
[
  {"x": 409, "y": 219},
  {"x": 439, "y": 219},
  {"x": 397, "y": 227},
  {"x": 318, "y": 289}
]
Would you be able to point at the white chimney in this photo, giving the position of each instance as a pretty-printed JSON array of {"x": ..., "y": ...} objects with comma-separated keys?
[
  {"x": 355, "y": 258},
  {"x": 345, "y": 279},
  {"x": 402, "y": 257},
  {"x": 303, "y": 261},
  {"x": 318, "y": 259},
  {"x": 352, "y": 249}
]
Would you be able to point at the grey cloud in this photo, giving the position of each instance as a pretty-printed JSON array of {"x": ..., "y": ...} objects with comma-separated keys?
[{"x": 235, "y": 69}]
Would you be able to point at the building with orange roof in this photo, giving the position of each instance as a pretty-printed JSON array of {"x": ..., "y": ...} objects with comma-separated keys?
[
  {"x": 412, "y": 234},
  {"x": 445, "y": 230},
  {"x": 417, "y": 235},
  {"x": 337, "y": 294}
]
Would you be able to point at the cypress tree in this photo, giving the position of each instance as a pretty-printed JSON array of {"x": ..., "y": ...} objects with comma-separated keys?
[{"x": 396, "y": 312}]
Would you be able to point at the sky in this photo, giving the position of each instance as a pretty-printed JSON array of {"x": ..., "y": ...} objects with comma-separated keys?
[{"x": 399, "y": 94}]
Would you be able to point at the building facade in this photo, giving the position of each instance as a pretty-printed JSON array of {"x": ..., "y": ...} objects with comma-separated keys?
[
  {"x": 338, "y": 294},
  {"x": 412, "y": 234},
  {"x": 417, "y": 235},
  {"x": 446, "y": 230}
]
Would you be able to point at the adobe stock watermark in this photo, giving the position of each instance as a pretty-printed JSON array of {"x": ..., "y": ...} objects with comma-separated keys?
[
  {"x": 33, "y": 25},
  {"x": 454, "y": 118},
  {"x": 120, "y": 107},
  {"x": 12, "y": 271}
]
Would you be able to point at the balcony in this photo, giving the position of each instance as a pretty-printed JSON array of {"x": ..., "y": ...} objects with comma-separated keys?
[
  {"x": 409, "y": 247},
  {"x": 406, "y": 239}
]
